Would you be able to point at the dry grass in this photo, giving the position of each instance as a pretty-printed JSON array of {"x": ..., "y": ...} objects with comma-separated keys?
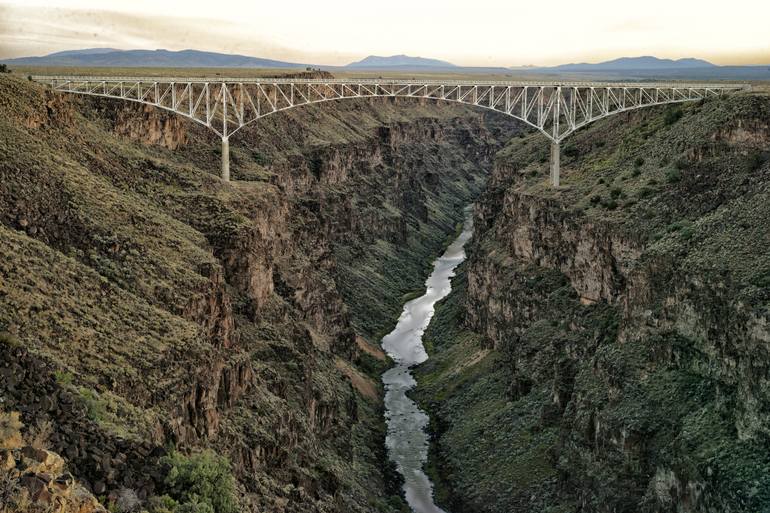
[{"x": 364, "y": 385}]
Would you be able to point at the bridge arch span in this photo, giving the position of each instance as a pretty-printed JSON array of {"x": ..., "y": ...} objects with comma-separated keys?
[{"x": 226, "y": 105}]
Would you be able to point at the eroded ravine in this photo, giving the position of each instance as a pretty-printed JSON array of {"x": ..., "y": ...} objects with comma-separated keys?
[{"x": 407, "y": 439}]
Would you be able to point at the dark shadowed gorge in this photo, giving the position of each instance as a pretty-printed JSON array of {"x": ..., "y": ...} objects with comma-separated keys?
[{"x": 174, "y": 343}]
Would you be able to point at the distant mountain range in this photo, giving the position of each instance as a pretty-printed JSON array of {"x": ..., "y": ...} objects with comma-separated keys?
[
  {"x": 635, "y": 68},
  {"x": 648, "y": 68},
  {"x": 646, "y": 62},
  {"x": 375, "y": 61},
  {"x": 111, "y": 57}
]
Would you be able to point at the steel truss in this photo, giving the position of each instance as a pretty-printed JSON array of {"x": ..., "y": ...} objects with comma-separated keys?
[{"x": 226, "y": 105}]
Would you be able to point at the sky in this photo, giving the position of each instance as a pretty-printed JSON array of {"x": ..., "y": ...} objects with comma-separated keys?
[{"x": 336, "y": 32}]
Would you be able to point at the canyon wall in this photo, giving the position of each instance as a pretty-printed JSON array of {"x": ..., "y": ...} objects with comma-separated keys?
[
  {"x": 148, "y": 307},
  {"x": 606, "y": 346}
]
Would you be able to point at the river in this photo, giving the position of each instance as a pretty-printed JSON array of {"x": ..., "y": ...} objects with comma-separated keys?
[{"x": 407, "y": 439}]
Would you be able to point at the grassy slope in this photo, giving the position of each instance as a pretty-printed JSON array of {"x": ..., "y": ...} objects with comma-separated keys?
[
  {"x": 693, "y": 190},
  {"x": 663, "y": 172}
]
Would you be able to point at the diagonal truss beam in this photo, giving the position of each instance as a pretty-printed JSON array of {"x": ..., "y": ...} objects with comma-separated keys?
[{"x": 227, "y": 105}]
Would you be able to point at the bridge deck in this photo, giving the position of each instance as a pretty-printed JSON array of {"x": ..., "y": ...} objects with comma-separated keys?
[{"x": 393, "y": 81}]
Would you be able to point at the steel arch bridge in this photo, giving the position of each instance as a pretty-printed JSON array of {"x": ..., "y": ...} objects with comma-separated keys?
[{"x": 225, "y": 105}]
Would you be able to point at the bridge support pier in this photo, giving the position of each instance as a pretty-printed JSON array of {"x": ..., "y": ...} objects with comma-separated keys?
[
  {"x": 225, "y": 159},
  {"x": 555, "y": 166}
]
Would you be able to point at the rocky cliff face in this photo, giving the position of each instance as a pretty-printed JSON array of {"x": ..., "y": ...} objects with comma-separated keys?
[
  {"x": 154, "y": 305},
  {"x": 628, "y": 315}
]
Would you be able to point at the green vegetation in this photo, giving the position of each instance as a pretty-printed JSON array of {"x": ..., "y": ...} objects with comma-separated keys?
[
  {"x": 63, "y": 378},
  {"x": 673, "y": 175},
  {"x": 672, "y": 115},
  {"x": 756, "y": 160},
  {"x": 9, "y": 339},
  {"x": 199, "y": 483}
]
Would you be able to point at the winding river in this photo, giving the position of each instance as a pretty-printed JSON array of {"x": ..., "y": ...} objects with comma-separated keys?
[{"x": 407, "y": 439}]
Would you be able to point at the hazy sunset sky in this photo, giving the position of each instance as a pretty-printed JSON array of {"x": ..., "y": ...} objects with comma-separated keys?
[{"x": 335, "y": 32}]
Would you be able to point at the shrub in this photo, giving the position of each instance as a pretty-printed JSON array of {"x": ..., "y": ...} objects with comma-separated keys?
[
  {"x": 681, "y": 163},
  {"x": 645, "y": 192},
  {"x": 673, "y": 176},
  {"x": 202, "y": 483},
  {"x": 195, "y": 505},
  {"x": 161, "y": 504},
  {"x": 128, "y": 501},
  {"x": 676, "y": 226},
  {"x": 9, "y": 339},
  {"x": 672, "y": 115},
  {"x": 687, "y": 232},
  {"x": 4, "y": 68},
  {"x": 13, "y": 498},
  {"x": 63, "y": 378},
  {"x": 761, "y": 280},
  {"x": 260, "y": 158},
  {"x": 96, "y": 407},
  {"x": 10, "y": 430},
  {"x": 596, "y": 198},
  {"x": 638, "y": 161},
  {"x": 755, "y": 161},
  {"x": 39, "y": 435},
  {"x": 615, "y": 192},
  {"x": 571, "y": 150},
  {"x": 684, "y": 228}
]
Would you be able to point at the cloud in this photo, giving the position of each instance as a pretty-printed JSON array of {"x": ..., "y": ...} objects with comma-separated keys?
[
  {"x": 26, "y": 31},
  {"x": 316, "y": 32}
]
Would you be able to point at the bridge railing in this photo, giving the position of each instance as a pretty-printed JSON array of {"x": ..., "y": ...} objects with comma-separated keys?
[{"x": 393, "y": 81}]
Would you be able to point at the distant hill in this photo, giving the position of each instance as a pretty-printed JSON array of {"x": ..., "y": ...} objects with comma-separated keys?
[
  {"x": 645, "y": 68},
  {"x": 646, "y": 62},
  {"x": 84, "y": 51},
  {"x": 399, "y": 61},
  {"x": 111, "y": 57}
]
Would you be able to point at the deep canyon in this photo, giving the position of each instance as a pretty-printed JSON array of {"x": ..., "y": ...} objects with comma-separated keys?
[{"x": 605, "y": 347}]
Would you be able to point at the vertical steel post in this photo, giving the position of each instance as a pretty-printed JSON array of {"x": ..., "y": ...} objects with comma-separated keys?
[
  {"x": 555, "y": 154},
  {"x": 225, "y": 141},
  {"x": 225, "y": 159}
]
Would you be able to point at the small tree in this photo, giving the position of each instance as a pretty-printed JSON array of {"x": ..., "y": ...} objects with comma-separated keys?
[
  {"x": 672, "y": 115},
  {"x": 4, "y": 68},
  {"x": 202, "y": 482}
]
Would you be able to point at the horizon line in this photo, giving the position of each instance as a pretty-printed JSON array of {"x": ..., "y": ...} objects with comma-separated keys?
[{"x": 298, "y": 63}]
